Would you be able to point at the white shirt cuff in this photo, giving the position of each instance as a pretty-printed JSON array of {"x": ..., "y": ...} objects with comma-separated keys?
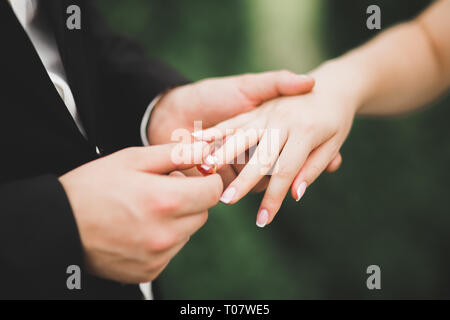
[
  {"x": 146, "y": 288},
  {"x": 146, "y": 118}
]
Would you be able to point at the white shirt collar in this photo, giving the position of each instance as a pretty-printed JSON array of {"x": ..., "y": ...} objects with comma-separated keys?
[{"x": 25, "y": 10}]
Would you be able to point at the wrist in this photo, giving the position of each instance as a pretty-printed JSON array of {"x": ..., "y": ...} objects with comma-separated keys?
[
  {"x": 347, "y": 82},
  {"x": 164, "y": 115},
  {"x": 75, "y": 198}
]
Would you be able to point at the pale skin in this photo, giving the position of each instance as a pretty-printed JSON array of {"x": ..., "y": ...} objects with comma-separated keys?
[
  {"x": 402, "y": 69},
  {"x": 135, "y": 209},
  {"x": 130, "y": 232},
  {"x": 214, "y": 100}
]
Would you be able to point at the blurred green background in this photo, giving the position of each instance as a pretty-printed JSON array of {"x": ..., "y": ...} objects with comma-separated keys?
[{"x": 388, "y": 205}]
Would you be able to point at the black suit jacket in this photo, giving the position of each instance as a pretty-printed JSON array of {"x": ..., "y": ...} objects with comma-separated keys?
[{"x": 113, "y": 81}]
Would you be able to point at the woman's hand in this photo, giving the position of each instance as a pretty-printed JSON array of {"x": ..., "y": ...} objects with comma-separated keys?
[
  {"x": 205, "y": 103},
  {"x": 297, "y": 138}
]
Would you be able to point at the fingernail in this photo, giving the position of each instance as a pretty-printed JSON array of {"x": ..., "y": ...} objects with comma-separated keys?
[
  {"x": 228, "y": 195},
  {"x": 301, "y": 190},
  {"x": 262, "y": 218}
]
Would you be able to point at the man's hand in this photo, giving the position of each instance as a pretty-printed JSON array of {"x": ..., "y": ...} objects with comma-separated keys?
[
  {"x": 295, "y": 139},
  {"x": 214, "y": 100},
  {"x": 132, "y": 218}
]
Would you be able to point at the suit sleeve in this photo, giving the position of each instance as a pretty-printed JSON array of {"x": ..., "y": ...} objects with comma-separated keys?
[
  {"x": 39, "y": 239},
  {"x": 128, "y": 81}
]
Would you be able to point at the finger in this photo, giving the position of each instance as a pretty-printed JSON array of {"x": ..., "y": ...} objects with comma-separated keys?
[
  {"x": 186, "y": 226},
  {"x": 335, "y": 164},
  {"x": 259, "y": 165},
  {"x": 167, "y": 158},
  {"x": 224, "y": 128},
  {"x": 261, "y": 87},
  {"x": 176, "y": 174},
  {"x": 316, "y": 163},
  {"x": 289, "y": 164},
  {"x": 238, "y": 143},
  {"x": 192, "y": 172},
  {"x": 238, "y": 167},
  {"x": 185, "y": 196}
]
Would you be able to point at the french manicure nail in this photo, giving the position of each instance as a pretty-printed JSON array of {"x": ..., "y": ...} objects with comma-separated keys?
[
  {"x": 228, "y": 195},
  {"x": 301, "y": 190},
  {"x": 262, "y": 218}
]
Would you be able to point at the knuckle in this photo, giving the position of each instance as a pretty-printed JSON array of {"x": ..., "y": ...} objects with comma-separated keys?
[
  {"x": 306, "y": 126},
  {"x": 204, "y": 218},
  {"x": 160, "y": 245},
  {"x": 166, "y": 204},
  {"x": 264, "y": 160},
  {"x": 272, "y": 202},
  {"x": 217, "y": 189},
  {"x": 283, "y": 173},
  {"x": 161, "y": 242},
  {"x": 265, "y": 167}
]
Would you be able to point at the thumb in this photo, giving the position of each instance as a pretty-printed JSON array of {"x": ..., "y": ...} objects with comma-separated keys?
[
  {"x": 261, "y": 87},
  {"x": 170, "y": 157}
]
